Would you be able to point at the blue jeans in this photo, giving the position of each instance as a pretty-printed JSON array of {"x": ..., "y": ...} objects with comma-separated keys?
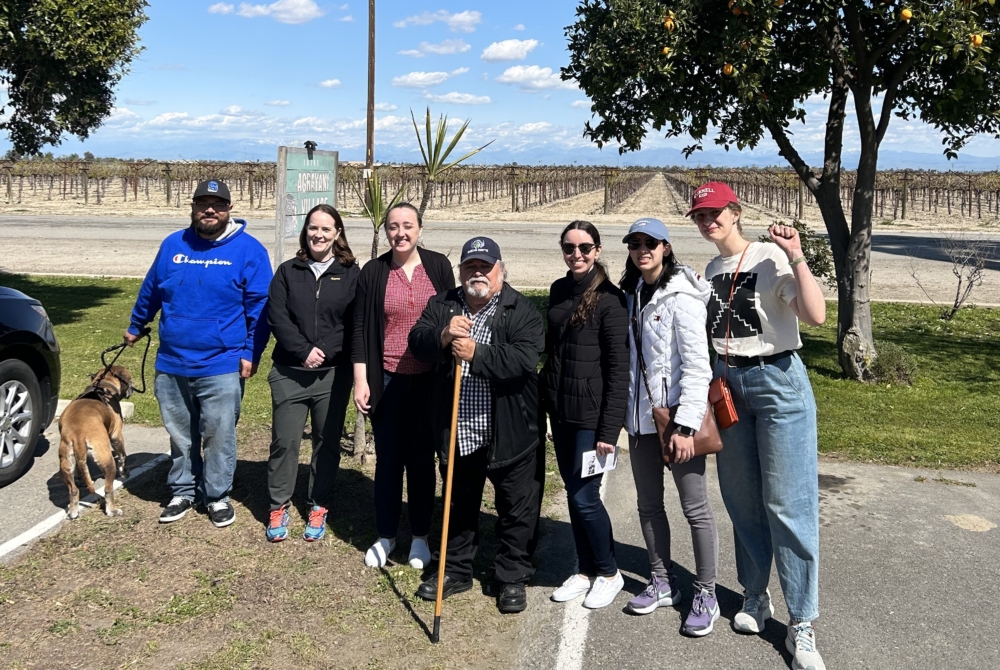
[
  {"x": 592, "y": 534},
  {"x": 200, "y": 415},
  {"x": 768, "y": 473}
]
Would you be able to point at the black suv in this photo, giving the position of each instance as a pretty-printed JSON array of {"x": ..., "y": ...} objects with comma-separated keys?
[{"x": 29, "y": 380}]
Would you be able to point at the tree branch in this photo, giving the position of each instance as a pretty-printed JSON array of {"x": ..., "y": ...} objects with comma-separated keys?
[
  {"x": 889, "y": 100},
  {"x": 834, "y": 141},
  {"x": 857, "y": 35},
  {"x": 891, "y": 40},
  {"x": 786, "y": 150},
  {"x": 833, "y": 44}
]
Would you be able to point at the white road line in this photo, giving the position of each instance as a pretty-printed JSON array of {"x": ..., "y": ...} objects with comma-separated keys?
[
  {"x": 51, "y": 522},
  {"x": 576, "y": 621}
]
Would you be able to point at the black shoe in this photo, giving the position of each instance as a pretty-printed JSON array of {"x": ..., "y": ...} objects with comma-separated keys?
[
  {"x": 429, "y": 589},
  {"x": 175, "y": 509},
  {"x": 221, "y": 513},
  {"x": 512, "y": 599}
]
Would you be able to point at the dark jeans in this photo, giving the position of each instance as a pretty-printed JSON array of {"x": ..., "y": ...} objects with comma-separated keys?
[
  {"x": 403, "y": 441},
  {"x": 595, "y": 541},
  {"x": 518, "y": 489},
  {"x": 296, "y": 394}
]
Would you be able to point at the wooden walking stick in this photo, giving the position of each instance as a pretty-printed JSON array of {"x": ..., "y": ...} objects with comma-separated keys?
[{"x": 436, "y": 635}]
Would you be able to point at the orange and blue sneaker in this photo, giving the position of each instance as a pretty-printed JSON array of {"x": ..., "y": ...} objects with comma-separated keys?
[
  {"x": 277, "y": 527},
  {"x": 316, "y": 526}
]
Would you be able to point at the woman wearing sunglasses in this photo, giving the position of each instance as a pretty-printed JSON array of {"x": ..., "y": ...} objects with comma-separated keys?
[
  {"x": 584, "y": 382},
  {"x": 669, "y": 367},
  {"x": 768, "y": 470}
]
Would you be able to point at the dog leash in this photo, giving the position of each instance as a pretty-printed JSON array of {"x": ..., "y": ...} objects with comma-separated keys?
[{"x": 120, "y": 347}]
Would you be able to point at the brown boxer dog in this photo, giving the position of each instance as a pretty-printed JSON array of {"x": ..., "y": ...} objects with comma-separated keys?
[{"x": 92, "y": 425}]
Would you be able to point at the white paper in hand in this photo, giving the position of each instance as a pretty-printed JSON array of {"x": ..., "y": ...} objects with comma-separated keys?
[{"x": 595, "y": 465}]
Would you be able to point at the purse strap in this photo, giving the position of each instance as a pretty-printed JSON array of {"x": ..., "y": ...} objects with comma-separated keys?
[{"x": 729, "y": 305}]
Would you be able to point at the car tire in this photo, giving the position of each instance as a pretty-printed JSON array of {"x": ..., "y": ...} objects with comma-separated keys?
[{"x": 20, "y": 418}]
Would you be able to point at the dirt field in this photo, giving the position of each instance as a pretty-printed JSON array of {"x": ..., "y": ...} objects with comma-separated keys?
[
  {"x": 132, "y": 593},
  {"x": 656, "y": 198}
]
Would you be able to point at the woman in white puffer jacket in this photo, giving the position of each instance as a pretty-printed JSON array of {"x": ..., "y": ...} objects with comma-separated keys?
[{"x": 667, "y": 316}]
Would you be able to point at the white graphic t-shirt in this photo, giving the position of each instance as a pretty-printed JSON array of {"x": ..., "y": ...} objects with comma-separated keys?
[{"x": 762, "y": 321}]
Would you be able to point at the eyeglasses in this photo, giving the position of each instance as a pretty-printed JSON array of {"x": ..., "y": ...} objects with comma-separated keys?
[
  {"x": 585, "y": 248},
  {"x": 650, "y": 243},
  {"x": 217, "y": 206}
]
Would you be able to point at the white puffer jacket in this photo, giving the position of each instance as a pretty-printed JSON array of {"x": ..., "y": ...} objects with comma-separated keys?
[{"x": 675, "y": 349}]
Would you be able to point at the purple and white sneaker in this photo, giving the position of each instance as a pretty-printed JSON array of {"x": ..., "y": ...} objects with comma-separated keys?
[
  {"x": 658, "y": 592},
  {"x": 704, "y": 612}
]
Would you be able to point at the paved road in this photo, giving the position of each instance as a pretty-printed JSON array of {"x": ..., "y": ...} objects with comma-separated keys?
[
  {"x": 40, "y": 492},
  {"x": 126, "y": 247},
  {"x": 902, "y": 585}
]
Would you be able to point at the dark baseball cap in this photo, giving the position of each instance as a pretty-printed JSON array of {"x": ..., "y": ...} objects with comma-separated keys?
[
  {"x": 213, "y": 187},
  {"x": 481, "y": 248}
]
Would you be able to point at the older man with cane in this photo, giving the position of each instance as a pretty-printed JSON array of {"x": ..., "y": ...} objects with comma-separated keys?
[{"x": 497, "y": 335}]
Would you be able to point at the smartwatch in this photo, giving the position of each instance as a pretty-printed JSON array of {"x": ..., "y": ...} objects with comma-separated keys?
[{"x": 686, "y": 431}]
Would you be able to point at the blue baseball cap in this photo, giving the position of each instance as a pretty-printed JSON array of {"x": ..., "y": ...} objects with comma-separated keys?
[
  {"x": 652, "y": 227},
  {"x": 482, "y": 248}
]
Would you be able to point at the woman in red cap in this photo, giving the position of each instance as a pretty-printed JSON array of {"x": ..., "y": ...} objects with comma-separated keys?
[{"x": 768, "y": 470}]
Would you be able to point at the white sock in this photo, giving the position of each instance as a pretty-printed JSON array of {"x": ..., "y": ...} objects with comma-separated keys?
[
  {"x": 378, "y": 555},
  {"x": 420, "y": 553}
]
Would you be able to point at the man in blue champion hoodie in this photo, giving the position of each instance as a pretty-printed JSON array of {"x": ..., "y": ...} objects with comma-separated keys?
[{"x": 209, "y": 283}]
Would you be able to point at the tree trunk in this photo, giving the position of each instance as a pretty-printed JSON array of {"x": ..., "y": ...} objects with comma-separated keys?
[
  {"x": 375, "y": 245},
  {"x": 428, "y": 190},
  {"x": 360, "y": 441}
]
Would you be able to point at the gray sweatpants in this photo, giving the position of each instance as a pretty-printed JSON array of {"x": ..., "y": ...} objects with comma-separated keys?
[{"x": 647, "y": 470}]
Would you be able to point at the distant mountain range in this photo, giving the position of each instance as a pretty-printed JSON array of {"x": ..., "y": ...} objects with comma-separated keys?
[{"x": 539, "y": 154}]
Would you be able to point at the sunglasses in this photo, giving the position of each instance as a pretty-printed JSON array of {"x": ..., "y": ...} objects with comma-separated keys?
[
  {"x": 585, "y": 248},
  {"x": 649, "y": 243}
]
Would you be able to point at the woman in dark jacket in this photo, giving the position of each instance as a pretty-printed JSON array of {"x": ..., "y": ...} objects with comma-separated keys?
[
  {"x": 585, "y": 381},
  {"x": 392, "y": 386},
  {"x": 310, "y": 309}
]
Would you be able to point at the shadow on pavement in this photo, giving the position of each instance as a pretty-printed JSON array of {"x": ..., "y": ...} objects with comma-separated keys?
[{"x": 932, "y": 249}]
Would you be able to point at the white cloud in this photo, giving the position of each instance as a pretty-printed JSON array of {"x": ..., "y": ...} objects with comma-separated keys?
[
  {"x": 460, "y": 22},
  {"x": 385, "y": 107},
  {"x": 425, "y": 79},
  {"x": 534, "y": 78},
  {"x": 580, "y": 104},
  {"x": 348, "y": 19},
  {"x": 508, "y": 50},
  {"x": 343, "y": 8},
  {"x": 460, "y": 99},
  {"x": 519, "y": 26},
  {"x": 283, "y": 11},
  {"x": 538, "y": 127},
  {"x": 278, "y": 103},
  {"x": 221, "y": 8},
  {"x": 121, "y": 117},
  {"x": 138, "y": 102},
  {"x": 446, "y": 48},
  {"x": 330, "y": 83}
]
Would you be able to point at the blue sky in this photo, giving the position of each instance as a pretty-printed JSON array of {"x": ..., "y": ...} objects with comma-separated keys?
[{"x": 233, "y": 80}]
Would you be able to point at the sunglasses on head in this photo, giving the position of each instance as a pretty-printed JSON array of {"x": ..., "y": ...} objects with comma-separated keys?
[
  {"x": 585, "y": 248},
  {"x": 650, "y": 243}
]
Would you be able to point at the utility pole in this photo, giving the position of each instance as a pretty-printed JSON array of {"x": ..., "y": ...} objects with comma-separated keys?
[{"x": 370, "y": 139}]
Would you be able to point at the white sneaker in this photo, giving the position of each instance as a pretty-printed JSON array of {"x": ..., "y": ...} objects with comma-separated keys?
[
  {"x": 801, "y": 644},
  {"x": 378, "y": 554},
  {"x": 420, "y": 553},
  {"x": 603, "y": 592},
  {"x": 574, "y": 587},
  {"x": 756, "y": 610}
]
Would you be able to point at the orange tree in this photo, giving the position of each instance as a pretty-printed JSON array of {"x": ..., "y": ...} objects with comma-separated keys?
[{"x": 747, "y": 67}]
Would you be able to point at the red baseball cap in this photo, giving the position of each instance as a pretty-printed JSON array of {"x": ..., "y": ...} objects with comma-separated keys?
[{"x": 713, "y": 195}]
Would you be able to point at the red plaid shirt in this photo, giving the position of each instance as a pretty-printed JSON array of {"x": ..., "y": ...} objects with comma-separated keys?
[{"x": 404, "y": 301}]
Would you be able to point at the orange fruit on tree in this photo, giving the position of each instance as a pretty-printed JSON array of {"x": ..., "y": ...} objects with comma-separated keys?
[
  {"x": 906, "y": 14},
  {"x": 737, "y": 11},
  {"x": 977, "y": 40},
  {"x": 727, "y": 69},
  {"x": 666, "y": 51},
  {"x": 669, "y": 25}
]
